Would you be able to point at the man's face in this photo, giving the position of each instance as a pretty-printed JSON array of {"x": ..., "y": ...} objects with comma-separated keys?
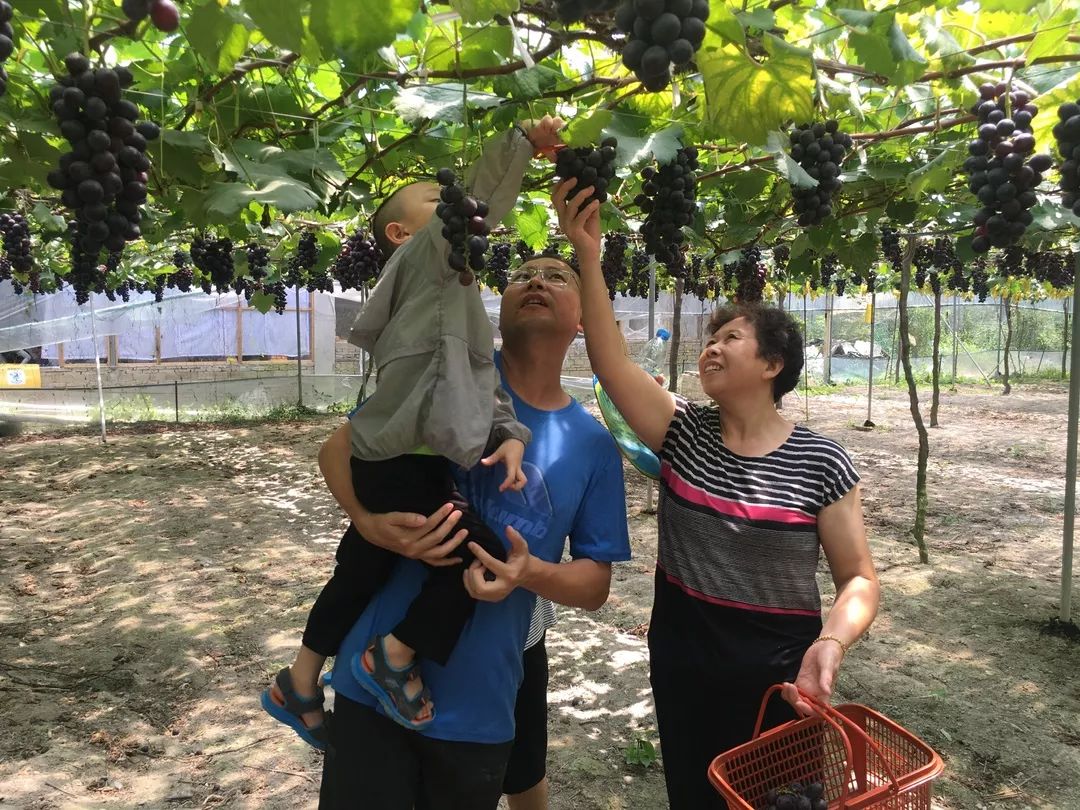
[{"x": 541, "y": 304}]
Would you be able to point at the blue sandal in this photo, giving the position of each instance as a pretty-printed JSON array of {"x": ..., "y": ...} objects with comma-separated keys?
[
  {"x": 294, "y": 706},
  {"x": 387, "y": 683}
]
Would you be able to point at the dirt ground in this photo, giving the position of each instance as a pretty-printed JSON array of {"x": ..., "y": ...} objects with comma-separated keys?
[{"x": 150, "y": 587}]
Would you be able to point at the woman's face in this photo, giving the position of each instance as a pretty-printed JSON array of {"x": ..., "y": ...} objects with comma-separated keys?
[{"x": 730, "y": 361}]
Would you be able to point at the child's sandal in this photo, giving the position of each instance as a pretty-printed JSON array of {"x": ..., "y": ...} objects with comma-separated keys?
[
  {"x": 386, "y": 683},
  {"x": 291, "y": 711}
]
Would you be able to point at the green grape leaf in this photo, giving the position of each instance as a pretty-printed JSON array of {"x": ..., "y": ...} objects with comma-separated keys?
[
  {"x": 279, "y": 21},
  {"x": 586, "y": 130},
  {"x": 348, "y": 25},
  {"x": 746, "y": 99},
  {"x": 442, "y": 102},
  {"x": 472, "y": 11},
  {"x": 938, "y": 173}
]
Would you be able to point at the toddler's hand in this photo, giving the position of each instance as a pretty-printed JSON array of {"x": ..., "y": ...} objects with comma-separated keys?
[
  {"x": 509, "y": 453},
  {"x": 544, "y": 134}
]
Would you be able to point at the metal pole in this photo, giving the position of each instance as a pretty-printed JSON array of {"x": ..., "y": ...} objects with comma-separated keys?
[
  {"x": 1065, "y": 338},
  {"x": 1001, "y": 310},
  {"x": 1070, "y": 458},
  {"x": 827, "y": 353},
  {"x": 652, "y": 331},
  {"x": 805, "y": 368},
  {"x": 955, "y": 328},
  {"x": 299, "y": 357},
  {"x": 870, "y": 383},
  {"x": 176, "y": 399},
  {"x": 97, "y": 368}
]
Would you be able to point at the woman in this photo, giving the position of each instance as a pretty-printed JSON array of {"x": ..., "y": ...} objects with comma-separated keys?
[{"x": 747, "y": 499}]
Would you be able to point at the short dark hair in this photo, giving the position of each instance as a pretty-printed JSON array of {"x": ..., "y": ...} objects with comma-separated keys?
[
  {"x": 552, "y": 255},
  {"x": 778, "y": 336},
  {"x": 389, "y": 210}
]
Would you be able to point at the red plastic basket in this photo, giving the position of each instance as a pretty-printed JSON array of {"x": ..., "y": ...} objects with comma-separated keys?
[{"x": 862, "y": 758}]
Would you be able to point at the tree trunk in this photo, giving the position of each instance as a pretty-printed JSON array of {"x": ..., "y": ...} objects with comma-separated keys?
[
  {"x": 919, "y": 529},
  {"x": 936, "y": 374},
  {"x": 1008, "y": 339},
  {"x": 676, "y": 333}
]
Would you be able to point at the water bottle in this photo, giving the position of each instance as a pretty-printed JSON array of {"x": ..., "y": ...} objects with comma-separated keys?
[{"x": 654, "y": 355}]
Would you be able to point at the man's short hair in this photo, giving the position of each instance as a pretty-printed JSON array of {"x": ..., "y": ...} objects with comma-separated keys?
[
  {"x": 390, "y": 210},
  {"x": 550, "y": 254},
  {"x": 778, "y": 337}
]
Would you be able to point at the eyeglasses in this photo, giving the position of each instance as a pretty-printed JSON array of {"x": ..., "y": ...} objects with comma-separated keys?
[{"x": 555, "y": 276}]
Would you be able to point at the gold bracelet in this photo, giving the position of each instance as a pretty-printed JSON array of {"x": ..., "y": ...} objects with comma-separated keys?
[{"x": 843, "y": 646}]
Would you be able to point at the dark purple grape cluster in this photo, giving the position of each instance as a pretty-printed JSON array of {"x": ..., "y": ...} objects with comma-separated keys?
[
  {"x": 590, "y": 166},
  {"x": 828, "y": 267},
  {"x": 1002, "y": 171},
  {"x": 637, "y": 283},
  {"x": 103, "y": 178},
  {"x": 1010, "y": 262},
  {"x": 750, "y": 276},
  {"x": 465, "y": 227},
  {"x": 923, "y": 261},
  {"x": 781, "y": 255},
  {"x": 214, "y": 258},
  {"x": 980, "y": 281},
  {"x": 613, "y": 262},
  {"x": 307, "y": 250},
  {"x": 820, "y": 149},
  {"x": 498, "y": 266},
  {"x": 697, "y": 282},
  {"x": 669, "y": 199},
  {"x": 357, "y": 265},
  {"x": 184, "y": 277},
  {"x": 163, "y": 13},
  {"x": 573, "y": 10},
  {"x": 1067, "y": 135},
  {"x": 15, "y": 234},
  {"x": 944, "y": 260},
  {"x": 281, "y": 298},
  {"x": 660, "y": 33},
  {"x": 258, "y": 258},
  {"x": 890, "y": 246},
  {"x": 523, "y": 250},
  {"x": 1051, "y": 267},
  {"x": 7, "y": 34},
  {"x": 797, "y": 796}
]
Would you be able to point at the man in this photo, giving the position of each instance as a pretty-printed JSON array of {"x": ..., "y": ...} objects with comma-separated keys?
[{"x": 575, "y": 489}]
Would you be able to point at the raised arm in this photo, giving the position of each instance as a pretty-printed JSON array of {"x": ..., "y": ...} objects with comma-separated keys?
[{"x": 647, "y": 407}]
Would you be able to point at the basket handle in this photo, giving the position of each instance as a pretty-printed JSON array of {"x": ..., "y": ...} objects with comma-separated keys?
[{"x": 839, "y": 721}]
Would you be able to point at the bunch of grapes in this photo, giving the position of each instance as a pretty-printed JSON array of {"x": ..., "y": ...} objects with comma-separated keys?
[
  {"x": 7, "y": 34},
  {"x": 890, "y": 246},
  {"x": 357, "y": 265},
  {"x": 781, "y": 255},
  {"x": 523, "y": 250},
  {"x": 184, "y": 277},
  {"x": 573, "y": 10},
  {"x": 590, "y": 166},
  {"x": 980, "y": 281},
  {"x": 828, "y": 267},
  {"x": 1051, "y": 268},
  {"x": 214, "y": 258},
  {"x": 820, "y": 149},
  {"x": 923, "y": 261},
  {"x": 163, "y": 13},
  {"x": 660, "y": 33},
  {"x": 668, "y": 197},
  {"x": 307, "y": 250},
  {"x": 1011, "y": 262},
  {"x": 637, "y": 284},
  {"x": 797, "y": 796},
  {"x": 1067, "y": 135},
  {"x": 750, "y": 276},
  {"x": 15, "y": 232},
  {"x": 1002, "y": 175},
  {"x": 944, "y": 260},
  {"x": 465, "y": 227},
  {"x": 958, "y": 280},
  {"x": 103, "y": 177},
  {"x": 613, "y": 262},
  {"x": 281, "y": 298},
  {"x": 258, "y": 261},
  {"x": 697, "y": 284},
  {"x": 498, "y": 266}
]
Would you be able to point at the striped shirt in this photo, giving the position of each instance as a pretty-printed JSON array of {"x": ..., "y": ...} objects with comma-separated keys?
[{"x": 741, "y": 532}]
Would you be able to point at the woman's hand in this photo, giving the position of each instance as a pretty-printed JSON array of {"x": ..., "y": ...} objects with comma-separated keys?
[
  {"x": 816, "y": 676},
  {"x": 578, "y": 220},
  {"x": 414, "y": 536}
]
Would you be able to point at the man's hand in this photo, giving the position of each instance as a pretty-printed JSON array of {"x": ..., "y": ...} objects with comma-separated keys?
[
  {"x": 508, "y": 575},
  {"x": 414, "y": 536},
  {"x": 816, "y": 676},
  {"x": 510, "y": 453},
  {"x": 544, "y": 134},
  {"x": 580, "y": 222}
]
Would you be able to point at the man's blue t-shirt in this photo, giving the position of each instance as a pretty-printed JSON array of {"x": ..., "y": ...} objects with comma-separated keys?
[{"x": 575, "y": 489}]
